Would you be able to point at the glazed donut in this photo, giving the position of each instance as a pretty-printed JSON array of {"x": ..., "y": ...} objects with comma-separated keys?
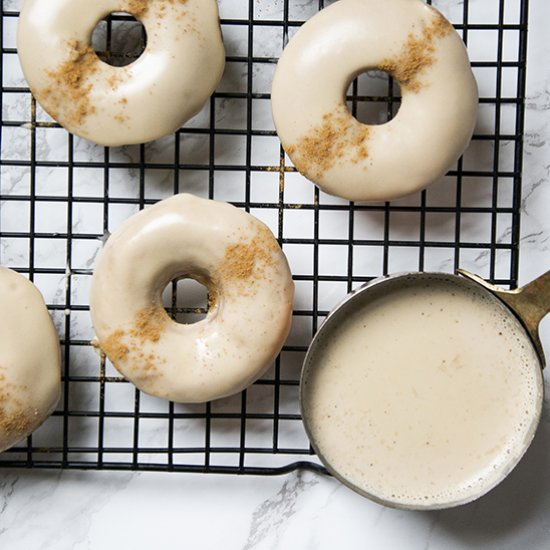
[
  {"x": 30, "y": 360},
  {"x": 150, "y": 98},
  {"x": 250, "y": 299},
  {"x": 416, "y": 45}
]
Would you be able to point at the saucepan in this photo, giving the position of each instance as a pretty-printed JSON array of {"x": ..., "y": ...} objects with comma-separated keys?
[{"x": 424, "y": 390}]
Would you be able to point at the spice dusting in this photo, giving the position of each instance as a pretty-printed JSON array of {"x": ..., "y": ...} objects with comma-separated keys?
[
  {"x": 247, "y": 262},
  {"x": 240, "y": 260},
  {"x": 68, "y": 94},
  {"x": 149, "y": 324},
  {"x": 213, "y": 296},
  {"x": 417, "y": 54},
  {"x": 140, "y": 8},
  {"x": 338, "y": 137},
  {"x": 15, "y": 417},
  {"x": 114, "y": 347},
  {"x": 128, "y": 345},
  {"x": 70, "y": 85},
  {"x": 247, "y": 259}
]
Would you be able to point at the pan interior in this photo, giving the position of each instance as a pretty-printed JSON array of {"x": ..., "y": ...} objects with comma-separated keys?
[{"x": 422, "y": 391}]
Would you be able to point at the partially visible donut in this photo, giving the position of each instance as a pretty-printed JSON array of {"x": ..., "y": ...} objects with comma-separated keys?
[
  {"x": 250, "y": 293},
  {"x": 150, "y": 98},
  {"x": 414, "y": 43},
  {"x": 30, "y": 361}
]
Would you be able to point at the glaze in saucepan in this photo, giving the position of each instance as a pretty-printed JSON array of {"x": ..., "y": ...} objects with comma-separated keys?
[{"x": 424, "y": 390}]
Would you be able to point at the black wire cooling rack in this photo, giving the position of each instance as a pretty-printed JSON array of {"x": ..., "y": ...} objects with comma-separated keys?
[{"x": 61, "y": 195}]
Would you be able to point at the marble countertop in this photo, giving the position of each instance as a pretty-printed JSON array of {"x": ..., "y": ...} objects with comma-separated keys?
[{"x": 72, "y": 510}]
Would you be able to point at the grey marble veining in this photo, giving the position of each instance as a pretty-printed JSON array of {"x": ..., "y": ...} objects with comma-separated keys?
[{"x": 102, "y": 510}]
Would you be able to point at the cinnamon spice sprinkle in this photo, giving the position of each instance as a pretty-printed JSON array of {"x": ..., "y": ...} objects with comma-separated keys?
[
  {"x": 17, "y": 422},
  {"x": 114, "y": 81},
  {"x": 417, "y": 54},
  {"x": 114, "y": 347},
  {"x": 240, "y": 260},
  {"x": 338, "y": 137},
  {"x": 140, "y": 8},
  {"x": 213, "y": 296},
  {"x": 68, "y": 95},
  {"x": 123, "y": 345},
  {"x": 149, "y": 324},
  {"x": 148, "y": 364},
  {"x": 71, "y": 86},
  {"x": 15, "y": 417},
  {"x": 246, "y": 260}
]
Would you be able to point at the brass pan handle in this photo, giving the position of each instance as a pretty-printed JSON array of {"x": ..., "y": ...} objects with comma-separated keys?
[{"x": 530, "y": 303}]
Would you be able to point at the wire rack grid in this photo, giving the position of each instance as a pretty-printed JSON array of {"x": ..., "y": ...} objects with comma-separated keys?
[{"x": 60, "y": 196}]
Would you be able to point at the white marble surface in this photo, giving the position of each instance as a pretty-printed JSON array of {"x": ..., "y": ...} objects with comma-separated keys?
[{"x": 104, "y": 510}]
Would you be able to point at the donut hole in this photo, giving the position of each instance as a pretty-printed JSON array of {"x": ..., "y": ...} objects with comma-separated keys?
[
  {"x": 186, "y": 300},
  {"x": 373, "y": 97},
  {"x": 119, "y": 39}
]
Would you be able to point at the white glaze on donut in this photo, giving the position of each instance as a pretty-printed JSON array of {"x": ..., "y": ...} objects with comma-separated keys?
[
  {"x": 30, "y": 371},
  {"x": 434, "y": 125},
  {"x": 152, "y": 97},
  {"x": 250, "y": 293}
]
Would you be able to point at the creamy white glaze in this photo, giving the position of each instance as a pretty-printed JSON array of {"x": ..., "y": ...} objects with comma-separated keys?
[
  {"x": 30, "y": 361},
  {"x": 425, "y": 394},
  {"x": 245, "y": 327},
  {"x": 152, "y": 97},
  {"x": 435, "y": 121}
]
